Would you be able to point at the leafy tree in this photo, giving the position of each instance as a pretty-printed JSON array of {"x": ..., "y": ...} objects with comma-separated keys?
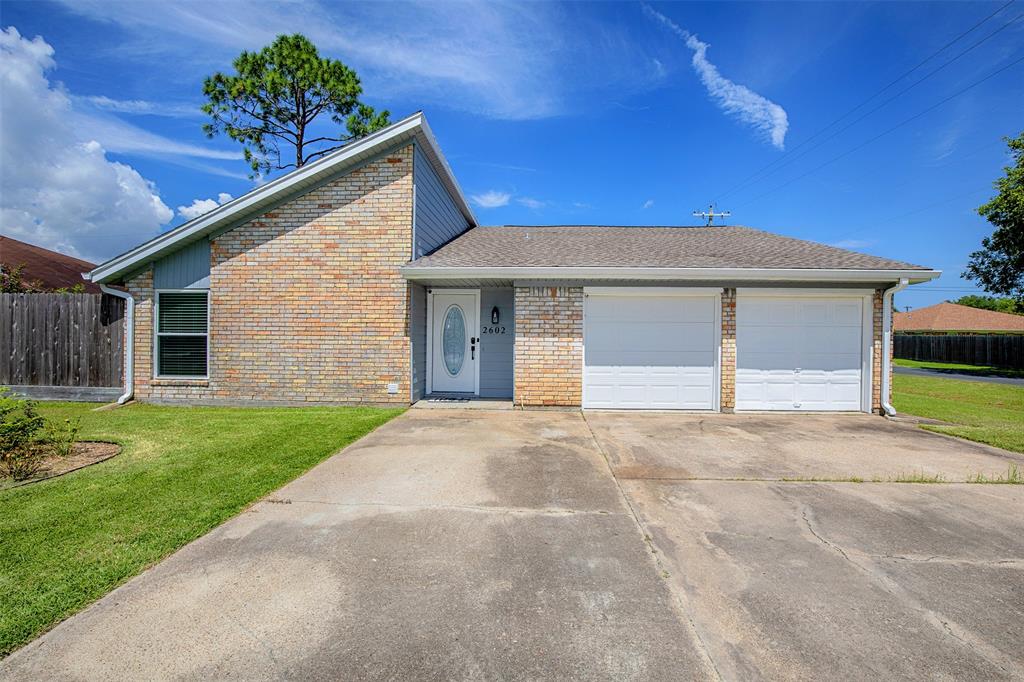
[
  {"x": 1000, "y": 304},
  {"x": 12, "y": 280},
  {"x": 999, "y": 265},
  {"x": 275, "y": 96}
]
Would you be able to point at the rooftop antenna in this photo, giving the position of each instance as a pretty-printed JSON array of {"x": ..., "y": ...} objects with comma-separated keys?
[{"x": 710, "y": 214}]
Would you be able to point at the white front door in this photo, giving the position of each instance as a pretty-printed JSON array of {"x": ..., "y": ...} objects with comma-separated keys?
[
  {"x": 653, "y": 350},
  {"x": 800, "y": 353},
  {"x": 455, "y": 348}
]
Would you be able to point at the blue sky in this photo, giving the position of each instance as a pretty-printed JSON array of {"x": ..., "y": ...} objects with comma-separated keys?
[{"x": 549, "y": 113}]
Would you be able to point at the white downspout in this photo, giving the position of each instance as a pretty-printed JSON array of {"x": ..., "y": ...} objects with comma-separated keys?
[
  {"x": 887, "y": 296},
  {"x": 129, "y": 342}
]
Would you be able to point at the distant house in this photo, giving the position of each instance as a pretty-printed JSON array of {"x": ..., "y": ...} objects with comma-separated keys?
[
  {"x": 50, "y": 269},
  {"x": 944, "y": 318}
]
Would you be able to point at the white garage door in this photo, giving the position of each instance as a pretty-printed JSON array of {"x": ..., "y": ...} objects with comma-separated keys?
[
  {"x": 799, "y": 353},
  {"x": 650, "y": 351}
]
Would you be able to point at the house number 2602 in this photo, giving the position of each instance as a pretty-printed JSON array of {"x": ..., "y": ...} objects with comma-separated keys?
[{"x": 492, "y": 330}]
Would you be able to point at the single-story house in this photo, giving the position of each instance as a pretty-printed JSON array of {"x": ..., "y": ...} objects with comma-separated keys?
[
  {"x": 364, "y": 277},
  {"x": 953, "y": 318}
]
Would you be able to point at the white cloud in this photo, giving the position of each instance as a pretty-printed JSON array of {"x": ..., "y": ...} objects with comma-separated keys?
[
  {"x": 853, "y": 243},
  {"x": 200, "y": 206},
  {"x": 140, "y": 106},
  {"x": 503, "y": 60},
  {"x": 121, "y": 137},
  {"x": 737, "y": 100},
  {"x": 57, "y": 187},
  {"x": 648, "y": 204},
  {"x": 530, "y": 202},
  {"x": 491, "y": 199}
]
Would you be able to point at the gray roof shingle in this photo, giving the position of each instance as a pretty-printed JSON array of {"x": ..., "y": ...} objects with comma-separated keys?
[{"x": 669, "y": 247}]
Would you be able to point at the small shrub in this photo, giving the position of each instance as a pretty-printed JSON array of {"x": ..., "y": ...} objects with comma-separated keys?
[
  {"x": 21, "y": 455},
  {"x": 61, "y": 436}
]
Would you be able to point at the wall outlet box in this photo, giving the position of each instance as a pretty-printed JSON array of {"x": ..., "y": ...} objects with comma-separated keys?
[{"x": 392, "y": 389}]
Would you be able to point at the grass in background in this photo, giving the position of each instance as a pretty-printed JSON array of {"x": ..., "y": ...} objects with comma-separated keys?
[
  {"x": 984, "y": 412},
  {"x": 182, "y": 471},
  {"x": 954, "y": 367}
]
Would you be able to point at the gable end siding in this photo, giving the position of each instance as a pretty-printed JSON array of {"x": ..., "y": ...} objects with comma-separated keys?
[
  {"x": 438, "y": 219},
  {"x": 188, "y": 268}
]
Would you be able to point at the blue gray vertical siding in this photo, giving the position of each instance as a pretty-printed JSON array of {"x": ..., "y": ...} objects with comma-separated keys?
[
  {"x": 496, "y": 350},
  {"x": 438, "y": 219},
  {"x": 418, "y": 339},
  {"x": 186, "y": 268}
]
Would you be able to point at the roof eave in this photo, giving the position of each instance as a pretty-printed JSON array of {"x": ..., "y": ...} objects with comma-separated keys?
[
  {"x": 441, "y": 273},
  {"x": 413, "y": 127}
]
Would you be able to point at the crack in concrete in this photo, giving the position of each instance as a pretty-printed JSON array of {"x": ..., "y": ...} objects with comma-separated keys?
[
  {"x": 550, "y": 511},
  {"x": 986, "y": 652},
  {"x": 952, "y": 561},
  {"x": 682, "y": 602}
]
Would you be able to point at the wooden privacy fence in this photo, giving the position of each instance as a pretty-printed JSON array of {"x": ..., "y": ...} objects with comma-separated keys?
[
  {"x": 62, "y": 345},
  {"x": 994, "y": 350}
]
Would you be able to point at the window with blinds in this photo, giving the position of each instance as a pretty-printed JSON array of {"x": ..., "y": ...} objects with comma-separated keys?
[{"x": 182, "y": 333}]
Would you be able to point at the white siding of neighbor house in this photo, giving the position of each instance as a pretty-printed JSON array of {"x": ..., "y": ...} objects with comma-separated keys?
[
  {"x": 496, "y": 350},
  {"x": 186, "y": 268},
  {"x": 437, "y": 218}
]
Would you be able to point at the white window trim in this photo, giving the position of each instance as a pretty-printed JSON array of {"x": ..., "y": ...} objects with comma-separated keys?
[{"x": 157, "y": 334}]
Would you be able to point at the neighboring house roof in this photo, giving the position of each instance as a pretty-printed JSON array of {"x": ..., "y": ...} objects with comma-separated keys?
[
  {"x": 52, "y": 269},
  {"x": 412, "y": 128},
  {"x": 949, "y": 317},
  {"x": 689, "y": 252}
]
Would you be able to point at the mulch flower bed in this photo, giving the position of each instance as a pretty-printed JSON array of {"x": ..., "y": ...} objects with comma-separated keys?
[{"x": 83, "y": 454}]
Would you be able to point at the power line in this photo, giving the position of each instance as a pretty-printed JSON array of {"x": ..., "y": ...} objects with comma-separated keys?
[
  {"x": 789, "y": 159},
  {"x": 876, "y": 94},
  {"x": 886, "y": 132}
]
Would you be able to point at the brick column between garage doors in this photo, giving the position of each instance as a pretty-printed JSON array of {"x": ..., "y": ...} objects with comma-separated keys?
[
  {"x": 549, "y": 346},
  {"x": 727, "y": 371}
]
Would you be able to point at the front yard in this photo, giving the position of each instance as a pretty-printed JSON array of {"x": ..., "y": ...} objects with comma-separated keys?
[
  {"x": 68, "y": 541},
  {"x": 984, "y": 412}
]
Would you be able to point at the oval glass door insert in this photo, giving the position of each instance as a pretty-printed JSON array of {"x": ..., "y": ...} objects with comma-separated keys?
[{"x": 453, "y": 340}]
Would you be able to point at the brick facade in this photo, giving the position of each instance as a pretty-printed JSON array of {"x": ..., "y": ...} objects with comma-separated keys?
[
  {"x": 549, "y": 346},
  {"x": 727, "y": 371},
  {"x": 306, "y": 301},
  {"x": 876, "y": 352}
]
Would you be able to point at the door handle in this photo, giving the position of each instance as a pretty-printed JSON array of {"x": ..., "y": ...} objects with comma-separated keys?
[{"x": 472, "y": 348}]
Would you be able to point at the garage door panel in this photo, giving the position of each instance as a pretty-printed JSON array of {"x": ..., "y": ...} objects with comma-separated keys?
[
  {"x": 799, "y": 354},
  {"x": 656, "y": 352}
]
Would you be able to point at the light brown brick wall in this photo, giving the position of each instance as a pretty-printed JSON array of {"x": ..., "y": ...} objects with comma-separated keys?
[
  {"x": 727, "y": 371},
  {"x": 876, "y": 352},
  {"x": 549, "y": 346},
  {"x": 306, "y": 301}
]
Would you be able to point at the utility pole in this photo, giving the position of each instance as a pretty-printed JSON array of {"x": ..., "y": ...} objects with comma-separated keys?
[{"x": 710, "y": 214}]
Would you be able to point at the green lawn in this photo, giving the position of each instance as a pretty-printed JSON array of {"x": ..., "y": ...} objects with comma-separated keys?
[
  {"x": 68, "y": 541},
  {"x": 980, "y": 370},
  {"x": 984, "y": 412}
]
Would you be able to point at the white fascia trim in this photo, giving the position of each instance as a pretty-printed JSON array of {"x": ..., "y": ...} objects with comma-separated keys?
[
  {"x": 421, "y": 273},
  {"x": 224, "y": 215}
]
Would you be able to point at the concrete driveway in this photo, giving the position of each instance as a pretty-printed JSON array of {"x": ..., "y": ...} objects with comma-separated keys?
[{"x": 467, "y": 544}]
